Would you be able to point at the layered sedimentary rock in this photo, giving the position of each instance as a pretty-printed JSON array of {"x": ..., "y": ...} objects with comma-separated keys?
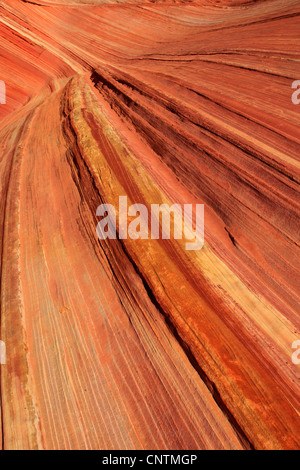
[{"x": 141, "y": 344}]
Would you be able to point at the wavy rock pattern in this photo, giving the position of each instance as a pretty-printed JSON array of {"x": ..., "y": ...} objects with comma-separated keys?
[{"x": 124, "y": 344}]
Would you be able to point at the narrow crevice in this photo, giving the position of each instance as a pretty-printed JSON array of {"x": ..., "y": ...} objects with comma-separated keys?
[
  {"x": 232, "y": 239},
  {"x": 34, "y": 3}
]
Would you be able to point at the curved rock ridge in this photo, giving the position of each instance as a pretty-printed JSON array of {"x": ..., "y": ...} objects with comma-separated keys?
[{"x": 141, "y": 344}]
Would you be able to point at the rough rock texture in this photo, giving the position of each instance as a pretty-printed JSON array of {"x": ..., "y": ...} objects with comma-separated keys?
[{"x": 124, "y": 344}]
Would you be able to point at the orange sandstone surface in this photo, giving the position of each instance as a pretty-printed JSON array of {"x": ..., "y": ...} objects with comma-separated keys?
[{"x": 141, "y": 344}]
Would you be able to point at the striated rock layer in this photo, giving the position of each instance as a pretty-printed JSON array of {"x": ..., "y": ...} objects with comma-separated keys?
[{"x": 140, "y": 344}]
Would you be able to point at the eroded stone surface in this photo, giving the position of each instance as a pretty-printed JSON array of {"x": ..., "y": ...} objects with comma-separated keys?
[{"x": 142, "y": 344}]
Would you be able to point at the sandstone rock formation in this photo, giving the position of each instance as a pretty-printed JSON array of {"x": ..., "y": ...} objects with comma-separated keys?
[{"x": 140, "y": 344}]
